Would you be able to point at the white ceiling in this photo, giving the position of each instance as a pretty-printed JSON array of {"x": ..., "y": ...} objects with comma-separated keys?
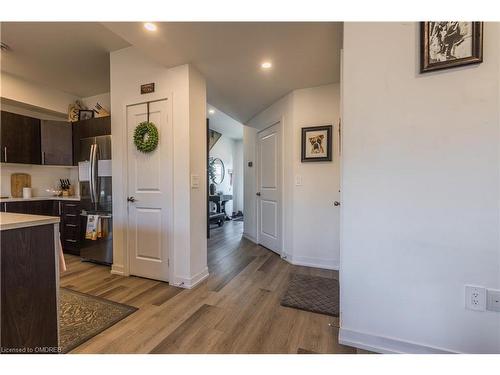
[
  {"x": 69, "y": 56},
  {"x": 229, "y": 55},
  {"x": 224, "y": 124},
  {"x": 74, "y": 57}
]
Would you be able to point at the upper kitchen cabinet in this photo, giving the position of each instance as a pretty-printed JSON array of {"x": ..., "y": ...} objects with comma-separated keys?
[
  {"x": 56, "y": 143},
  {"x": 93, "y": 127},
  {"x": 20, "y": 139}
]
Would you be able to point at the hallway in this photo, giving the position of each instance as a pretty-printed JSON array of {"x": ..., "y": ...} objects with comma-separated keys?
[{"x": 236, "y": 310}]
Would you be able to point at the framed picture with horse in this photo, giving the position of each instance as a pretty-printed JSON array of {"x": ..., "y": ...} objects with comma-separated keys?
[{"x": 450, "y": 44}]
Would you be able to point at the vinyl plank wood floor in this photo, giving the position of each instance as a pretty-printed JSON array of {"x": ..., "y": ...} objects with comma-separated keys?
[{"x": 236, "y": 310}]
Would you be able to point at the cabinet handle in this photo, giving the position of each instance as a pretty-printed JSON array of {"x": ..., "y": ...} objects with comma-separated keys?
[
  {"x": 70, "y": 240},
  {"x": 71, "y": 215},
  {"x": 5, "y": 154},
  {"x": 43, "y": 157},
  {"x": 59, "y": 208},
  {"x": 70, "y": 205},
  {"x": 71, "y": 225}
]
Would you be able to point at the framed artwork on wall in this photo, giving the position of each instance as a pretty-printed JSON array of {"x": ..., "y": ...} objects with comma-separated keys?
[
  {"x": 450, "y": 44},
  {"x": 85, "y": 114},
  {"x": 317, "y": 143}
]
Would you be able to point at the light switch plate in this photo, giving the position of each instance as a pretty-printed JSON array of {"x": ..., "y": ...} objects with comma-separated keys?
[
  {"x": 298, "y": 180},
  {"x": 493, "y": 301},
  {"x": 195, "y": 181},
  {"x": 475, "y": 298}
]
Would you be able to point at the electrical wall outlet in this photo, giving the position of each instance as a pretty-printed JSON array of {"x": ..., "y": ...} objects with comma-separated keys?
[
  {"x": 493, "y": 301},
  {"x": 475, "y": 298}
]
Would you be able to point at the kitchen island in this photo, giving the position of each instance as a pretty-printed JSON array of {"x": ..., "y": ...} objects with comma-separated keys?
[{"x": 29, "y": 283}]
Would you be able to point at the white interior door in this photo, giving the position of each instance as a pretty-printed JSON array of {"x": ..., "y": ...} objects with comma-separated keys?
[
  {"x": 149, "y": 194},
  {"x": 269, "y": 213}
]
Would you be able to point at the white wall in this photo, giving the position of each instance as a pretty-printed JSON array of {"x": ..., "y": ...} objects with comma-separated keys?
[
  {"x": 197, "y": 167},
  {"x": 311, "y": 222},
  {"x": 316, "y": 221},
  {"x": 103, "y": 99},
  {"x": 27, "y": 110},
  {"x": 185, "y": 89},
  {"x": 249, "y": 177},
  {"x": 420, "y": 194},
  {"x": 20, "y": 90},
  {"x": 44, "y": 179}
]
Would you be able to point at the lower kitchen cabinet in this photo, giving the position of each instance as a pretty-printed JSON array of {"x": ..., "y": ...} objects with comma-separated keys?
[
  {"x": 70, "y": 227},
  {"x": 29, "y": 290},
  {"x": 68, "y": 211}
]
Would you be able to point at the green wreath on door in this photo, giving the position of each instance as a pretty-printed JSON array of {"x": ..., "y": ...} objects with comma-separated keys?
[{"x": 146, "y": 137}]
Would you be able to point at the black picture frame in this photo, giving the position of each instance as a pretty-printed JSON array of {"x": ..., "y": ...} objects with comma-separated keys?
[
  {"x": 477, "y": 50},
  {"x": 328, "y": 129},
  {"x": 85, "y": 114}
]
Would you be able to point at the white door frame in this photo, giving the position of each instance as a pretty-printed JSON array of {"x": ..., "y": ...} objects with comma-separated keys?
[
  {"x": 279, "y": 121},
  {"x": 125, "y": 145}
]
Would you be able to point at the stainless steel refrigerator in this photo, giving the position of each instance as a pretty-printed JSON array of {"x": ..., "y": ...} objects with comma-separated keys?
[{"x": 94, "y": 164}]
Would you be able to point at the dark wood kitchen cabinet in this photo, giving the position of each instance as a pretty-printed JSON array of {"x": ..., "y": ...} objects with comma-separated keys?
[
  {"x": 56, "y": 143},
  {"x": 42, "y": 207},
  {"x": 70, "y": 226},
  {"x": 20, "y": 139},
  {"x": 29, "y": 293},
  {"x": 93, "y": 127}
]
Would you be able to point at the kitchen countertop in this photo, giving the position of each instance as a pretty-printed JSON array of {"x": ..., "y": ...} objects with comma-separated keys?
[
  {"x": 73, "y": 198},
  {"x": 14, "y": 221}
]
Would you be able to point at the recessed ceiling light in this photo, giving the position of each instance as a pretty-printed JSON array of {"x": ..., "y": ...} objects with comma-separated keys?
[
  {"x": 150, "y": 26},
  {"x": 211, "y": 111},
  {"x": 266, "y": 65}
]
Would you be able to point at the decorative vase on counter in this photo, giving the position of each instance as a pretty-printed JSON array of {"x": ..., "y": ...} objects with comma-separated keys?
[
  {"x": 212, "y": 189},
  {"x": 26, "y": 192}
]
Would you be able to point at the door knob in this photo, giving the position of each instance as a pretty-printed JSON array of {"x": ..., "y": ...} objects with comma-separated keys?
[
  {"x": 258, "y": 194},
  {"x": 130, "y": 199},
  {"x": 336, "y": 203}
]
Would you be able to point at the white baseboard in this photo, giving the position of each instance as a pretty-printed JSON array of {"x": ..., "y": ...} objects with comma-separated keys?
[
  {"x": 250, "y": 238},
  {"x": 328, "y": 264},
  {"x": 118, "y": 269},
  {"x": 191, "y": 282},
  {"x": 386, "y": 345}
]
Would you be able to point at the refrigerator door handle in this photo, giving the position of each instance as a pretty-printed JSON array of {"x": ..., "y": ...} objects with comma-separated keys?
[
  {"x": 91, "y": 173},
  {"x": 95, "y": 176}
]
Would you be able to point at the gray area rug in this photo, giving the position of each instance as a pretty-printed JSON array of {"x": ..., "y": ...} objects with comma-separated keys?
[
  {"x": 312, "y": 293},
  {"x": 82, "y": 316}
]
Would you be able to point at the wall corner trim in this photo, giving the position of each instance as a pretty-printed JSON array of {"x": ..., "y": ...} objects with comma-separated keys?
[
  {"x": 250, "y": 238},
  {"x": 386, "y": 345},
  {"x": 191, "y": 282},
  {"x": 329, "y": 264},
  {"x": 118, "y": 269}
]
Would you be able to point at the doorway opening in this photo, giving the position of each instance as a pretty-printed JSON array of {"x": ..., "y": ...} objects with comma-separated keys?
[{"x": 225, "y": 203}]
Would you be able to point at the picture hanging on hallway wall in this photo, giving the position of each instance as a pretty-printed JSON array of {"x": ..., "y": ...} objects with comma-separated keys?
[
  {"x": 317, "y": 143},
  {"x": 450, "y": 44}
]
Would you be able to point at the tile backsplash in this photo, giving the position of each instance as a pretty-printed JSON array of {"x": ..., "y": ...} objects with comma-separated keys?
[{"x": 44, "y": 178}]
